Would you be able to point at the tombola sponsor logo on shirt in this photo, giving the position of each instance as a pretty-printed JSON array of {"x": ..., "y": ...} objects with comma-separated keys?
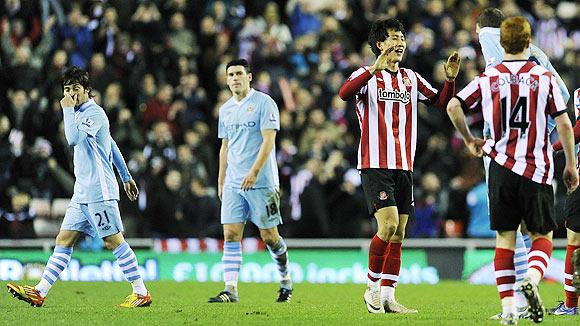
[{"x": 393, "y": 95}]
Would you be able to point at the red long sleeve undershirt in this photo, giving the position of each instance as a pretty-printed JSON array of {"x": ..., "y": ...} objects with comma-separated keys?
[
  {"x": 353, "y": 86},
  {"x": 558, "y": 145}
]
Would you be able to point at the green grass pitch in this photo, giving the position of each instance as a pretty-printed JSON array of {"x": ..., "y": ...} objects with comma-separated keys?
[{"x": 84, "y": 303}]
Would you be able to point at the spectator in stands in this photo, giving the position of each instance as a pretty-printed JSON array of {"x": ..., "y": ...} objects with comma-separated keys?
[
  {"x": 17, "y": 222},
  {"x": 426, "y": 221},
  {"x": 201, "y": 211},
  {"x": 166, "y": 208},
  {"x": 77, "y": 38}
]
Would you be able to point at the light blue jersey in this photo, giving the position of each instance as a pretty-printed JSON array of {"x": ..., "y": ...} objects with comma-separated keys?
[
  {"x": 95, "y": 152},
  {"x": 241, "y": 123},
  {"x": 493, "y": 54}
]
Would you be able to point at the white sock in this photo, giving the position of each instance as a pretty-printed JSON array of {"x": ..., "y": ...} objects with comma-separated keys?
[
  {"x": 521, "y": 301},
  {"x": 534, "y": 275},
  {"x": 373, "y": 284},
  {"x": 508, "y": 305},
  {"x": 43, "y": 287},
  {"x": 139, "y": 287},
  {"x": 387, "y": 294}
]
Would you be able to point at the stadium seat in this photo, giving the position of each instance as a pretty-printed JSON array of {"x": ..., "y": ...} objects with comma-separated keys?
[
  {"x": 41, "y": 207},
  {"x": 59, "y": 206}
]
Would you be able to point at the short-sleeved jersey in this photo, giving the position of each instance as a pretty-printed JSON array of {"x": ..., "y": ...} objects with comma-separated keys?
[
  {"x": 241, "y": 123},
  {"x": 386, "y": 108},
  {"x": 517, "y": 97},
  {"x": 93, "y": 161}
]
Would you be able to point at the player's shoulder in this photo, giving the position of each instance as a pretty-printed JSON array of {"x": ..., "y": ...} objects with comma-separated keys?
[
  {"x": 91, "y": 108},
  {"x": 227, "y": 105},
  {"x": 359, "y": 71}
]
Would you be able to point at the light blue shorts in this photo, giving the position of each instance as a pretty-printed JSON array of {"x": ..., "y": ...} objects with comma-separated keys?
[
  {"x": 100, "y": 218},
  {"x": 261, "y": 206}
]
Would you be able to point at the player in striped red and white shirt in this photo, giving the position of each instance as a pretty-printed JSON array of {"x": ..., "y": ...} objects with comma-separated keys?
[
  {"x": 386, "y": 104},
  {"x": 516, "y": 97}
]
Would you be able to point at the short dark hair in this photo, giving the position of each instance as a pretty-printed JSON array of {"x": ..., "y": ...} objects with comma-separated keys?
[
  {"x": 378, "y": 32},
  {"x": 490, "y": 17},
  {"x": 75, "y": 75},
  {"x": 239, "y": 62}
]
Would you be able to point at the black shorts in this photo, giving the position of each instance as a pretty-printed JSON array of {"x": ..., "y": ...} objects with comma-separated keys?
[
  {"x": 513, "y": 198},
  {"x": 572, "y": 211},
  {"x": 385, "y": 188}
]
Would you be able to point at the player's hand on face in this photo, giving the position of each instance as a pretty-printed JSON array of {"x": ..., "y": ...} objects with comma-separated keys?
[
  {"x": 382, "y": 60},
  {"x": 249, "y": 181},
  {"x": 475, "y": 146},
  {"x": 570, "y": 177},
  {"x": 452, "y": 66},
  {"x": 68, "y": 101},
  {"x": 131, "y": 190}
]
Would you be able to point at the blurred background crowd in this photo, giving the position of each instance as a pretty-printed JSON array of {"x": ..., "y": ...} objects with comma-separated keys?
[{"x": 158, "y": 70}]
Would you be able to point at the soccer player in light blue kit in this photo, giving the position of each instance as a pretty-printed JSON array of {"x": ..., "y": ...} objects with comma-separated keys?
[
  {"x": 488, "y": 29},
  {"x": 93, "y": 209},
  {"x": 248, "y": 183}
]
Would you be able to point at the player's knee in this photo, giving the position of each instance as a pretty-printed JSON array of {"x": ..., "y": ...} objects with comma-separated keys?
[
  {"x": 64, "y": 240},
  {"x": 387, "y": 230}
]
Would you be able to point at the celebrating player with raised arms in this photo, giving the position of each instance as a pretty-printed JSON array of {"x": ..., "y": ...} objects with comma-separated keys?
[
  {"x": 93, "y": 209},
  {"x": 386, "y": 105},
  {"x": 516, "y": 97}
]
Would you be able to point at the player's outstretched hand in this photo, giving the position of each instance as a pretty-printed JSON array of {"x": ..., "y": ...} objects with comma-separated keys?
[
  {"x": 452, "y": 66},
  {"x": 382, "y": 60},
  {"x": 131, "y": 190},
  {"x": 475, "y": 146},
  {"x": 570, "y": 177},
  {"x": 249, "y": 181},
  {"x": 68, "y": 101}
]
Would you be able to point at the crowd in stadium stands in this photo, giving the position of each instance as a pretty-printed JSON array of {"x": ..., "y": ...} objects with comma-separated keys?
[{"x": 158, "y": 69}]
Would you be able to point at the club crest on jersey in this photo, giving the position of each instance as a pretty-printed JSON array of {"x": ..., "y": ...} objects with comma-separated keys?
[
  {"x": 394, "y": 95},
  {"x": 407, "y": 81},
  {"x": 251, "y": 108},
  {"x": 87, "y": 122},
  {"x": 383, "y": 195}
]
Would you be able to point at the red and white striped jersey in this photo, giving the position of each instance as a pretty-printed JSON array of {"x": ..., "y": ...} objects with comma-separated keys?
[
  {"x": 516, "y": 98},
  {"x": 386, "y": 106}
]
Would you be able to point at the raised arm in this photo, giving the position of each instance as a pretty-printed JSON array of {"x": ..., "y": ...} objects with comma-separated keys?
[
  {"x": 354, "y": 84},
  {"x": 72, "y": 132}
]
